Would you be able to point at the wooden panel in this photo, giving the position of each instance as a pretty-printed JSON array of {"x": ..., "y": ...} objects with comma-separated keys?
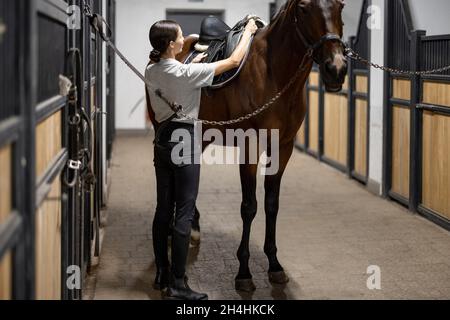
[
  {"x": 5, "y": 277},
  {"x": 345, "y": 84},
  {"x": 301, "y": 135},
  {"x": 48, "y": 142},
  {"x": 335, "y": 126},
  {"x": 314, "y": 79},
  {"x": 314, "y": 121},
  {"x": 436, "y": 163},
  {"x": 48, "y": 246},
  {"x": 402, "y": 89},
  {"x": 361, "y": 84},
  {"x": 5, "y": 182},
  {"x": 400, "y": 150},
  {"x": 436, "y": 93},
  {"x": 361, "y": 137},
  {"x": 5, "y": 210}
]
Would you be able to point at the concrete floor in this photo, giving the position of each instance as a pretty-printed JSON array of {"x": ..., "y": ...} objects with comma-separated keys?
[{"x": 330, "y": 230}]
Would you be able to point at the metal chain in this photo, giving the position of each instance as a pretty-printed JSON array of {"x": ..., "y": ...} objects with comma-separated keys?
[
  {"x": 178, "y": 109},
  {"x": 261, "y": 109},
  {"x": 355, "y": 56}
]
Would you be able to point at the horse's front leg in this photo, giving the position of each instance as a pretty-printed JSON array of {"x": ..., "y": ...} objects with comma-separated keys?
[
  {"x": 243, "y": 281},
  {"x": 272, "y": 197}
]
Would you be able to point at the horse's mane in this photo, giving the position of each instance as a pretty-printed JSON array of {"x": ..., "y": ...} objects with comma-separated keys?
[{"x": 283, "y": 15}]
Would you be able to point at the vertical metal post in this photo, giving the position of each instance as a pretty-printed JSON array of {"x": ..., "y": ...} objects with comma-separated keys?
[
  {"x": 351, "y": 114},
  {"x": 19, "y": 252},
  {"x": 416, "y": 134},
  {"x": 320, "y": 152},
  {"x": 29, "y": 187},
  {"x": 387, "y": 112}
]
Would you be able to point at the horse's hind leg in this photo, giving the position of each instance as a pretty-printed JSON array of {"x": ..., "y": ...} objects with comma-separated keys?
[
  {"x": 195, "y": 234},
  {"x": 272, "y": 196},
  {"x": 243, "y": 281}
]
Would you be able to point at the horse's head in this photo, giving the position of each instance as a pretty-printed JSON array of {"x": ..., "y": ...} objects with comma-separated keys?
[{"x": 319, "y": 26}]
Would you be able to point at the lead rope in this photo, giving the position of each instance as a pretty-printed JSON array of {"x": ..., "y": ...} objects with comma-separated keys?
[{"x": 97, "y": 23}]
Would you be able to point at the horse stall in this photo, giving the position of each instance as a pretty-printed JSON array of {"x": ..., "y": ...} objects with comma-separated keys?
[
  {"x": 417, "y": 119},
  {"x": 51, "y": 147},
  {"x": 416, "y": 116},
  {"x": 336, "y": 126}
]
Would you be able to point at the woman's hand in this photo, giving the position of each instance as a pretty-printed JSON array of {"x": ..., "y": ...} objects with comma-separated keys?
[
  {"x": 199, "y": 58},
  {"x": 251, "y": 26}
]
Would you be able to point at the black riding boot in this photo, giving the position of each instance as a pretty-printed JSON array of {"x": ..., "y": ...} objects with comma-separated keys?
[
  {"x": 179, "y": 290},
  {"x": 162, "y": 278}
]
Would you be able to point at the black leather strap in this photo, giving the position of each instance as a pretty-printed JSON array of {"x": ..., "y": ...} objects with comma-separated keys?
[{"x": 160, "y": 128}]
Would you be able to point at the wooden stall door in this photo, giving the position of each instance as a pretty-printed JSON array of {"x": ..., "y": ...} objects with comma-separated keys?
[
  {"x": 48, "y": 215},
  {"x": 401, "y": 133},
  {"x": 5, "y": 210},
  {"x": 436, "y": 150}
]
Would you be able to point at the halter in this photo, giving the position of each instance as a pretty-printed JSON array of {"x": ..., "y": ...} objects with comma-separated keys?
[{"x": 312, "y": 48}]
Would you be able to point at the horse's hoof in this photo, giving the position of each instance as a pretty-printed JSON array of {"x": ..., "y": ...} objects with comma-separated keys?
[
  {"x": 279, "y": 277},
  {"x": 245, "y": 285},
  {"x": 195, "y": 238}
]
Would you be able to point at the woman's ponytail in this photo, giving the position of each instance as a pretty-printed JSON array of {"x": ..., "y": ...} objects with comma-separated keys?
[{"x": 155, "y": 56}]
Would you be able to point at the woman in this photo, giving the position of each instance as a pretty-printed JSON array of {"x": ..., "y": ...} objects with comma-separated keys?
[{"x": 177, "y": 184}]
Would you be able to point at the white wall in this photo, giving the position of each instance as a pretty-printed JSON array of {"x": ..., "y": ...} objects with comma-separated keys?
[
  {"x": 350, "y": 16},
  {"x": 431, "y": 15},
  {"x": 134, "y": 19},
  {"x": 376, "y": 104}
]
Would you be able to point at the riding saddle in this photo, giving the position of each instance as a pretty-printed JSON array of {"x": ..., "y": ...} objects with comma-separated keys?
[{"x": 219, "y": 41}]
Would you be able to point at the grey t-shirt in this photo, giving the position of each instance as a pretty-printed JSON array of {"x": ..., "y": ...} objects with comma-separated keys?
[{"x": 180, "y": 83}]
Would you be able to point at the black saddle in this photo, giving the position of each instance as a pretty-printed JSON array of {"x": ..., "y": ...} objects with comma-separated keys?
[
  {"x": 219, "y": 41},
  {"x": 212, "y": 29}
]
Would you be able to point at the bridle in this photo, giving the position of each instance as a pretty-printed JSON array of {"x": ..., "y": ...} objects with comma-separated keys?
[{"x": 312, "y": 48}]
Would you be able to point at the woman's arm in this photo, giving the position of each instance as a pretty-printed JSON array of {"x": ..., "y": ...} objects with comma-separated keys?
[{"x": 239, "y": 53}]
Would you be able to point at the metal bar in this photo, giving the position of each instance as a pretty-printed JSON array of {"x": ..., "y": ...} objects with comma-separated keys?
[
  {"x": 306, "y": 121},
  {"x": 401, "y": 102},
  {"x": 47, "y": 179},
  {"x": 434, "y": 217},
  {"x": 334, "y": 164},
  {"x": 387, "y": 112},
  {"x": 10, "y": 130},
  {"x": 321, "y": 118},
  {"x": 415, "y": 180},
  {"x": 351, "y": 115},
  {"x": 313, "y": 88},
  {"x": 29, "y": 91},
  {"x": 49, "y": 107},
  {"x": 299, "y": 146},
  {"x": 360, "y": 178},
  {"x": 369, "y": 108},
  {"x": 361, "y": 95},
  {"x": 312, "y": 153},
  {"x": 436, "y": 77},
  {"x": 19, "y": 251},
  {"x": 433, "y": 108},
  {"x": 10, "y": 232},
  {"x": 399, "y": 198},
  {"x": 435, "y": 38},
  {"x": 360, "y": 72}
]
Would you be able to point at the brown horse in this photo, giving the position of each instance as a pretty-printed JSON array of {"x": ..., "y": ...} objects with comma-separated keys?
[{"x": 275, "y": 56}]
